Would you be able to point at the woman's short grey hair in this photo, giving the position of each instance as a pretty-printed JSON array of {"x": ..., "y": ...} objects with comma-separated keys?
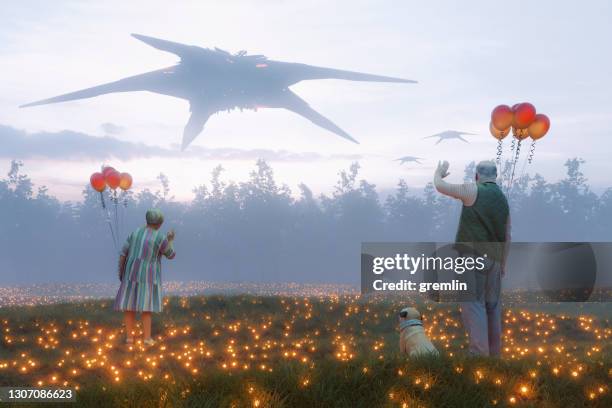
[
  {"x": 487, "y": 171},
  {"x": 154, "y": 217}
]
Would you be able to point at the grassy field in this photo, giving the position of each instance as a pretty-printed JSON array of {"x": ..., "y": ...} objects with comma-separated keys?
[{"x": 219, "y": 351}]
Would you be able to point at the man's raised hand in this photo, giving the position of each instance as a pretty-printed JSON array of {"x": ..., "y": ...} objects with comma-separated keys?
[{"x": 442, "y": 169}]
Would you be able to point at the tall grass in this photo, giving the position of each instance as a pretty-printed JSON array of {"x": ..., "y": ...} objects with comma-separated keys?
[{"x": 373, "y": 374}]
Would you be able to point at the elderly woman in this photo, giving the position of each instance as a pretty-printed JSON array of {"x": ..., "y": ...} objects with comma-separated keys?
[{"x": 140, "y": 274}]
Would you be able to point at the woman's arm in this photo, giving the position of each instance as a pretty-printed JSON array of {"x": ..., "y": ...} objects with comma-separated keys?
[
  {"x": 126, "y": 246},
  {"x": 123, "y": 256},
  {"x": 122, "y": 261}
]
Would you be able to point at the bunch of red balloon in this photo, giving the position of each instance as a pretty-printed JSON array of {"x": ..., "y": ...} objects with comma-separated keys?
[
  {"x": 524, "y": 122},
  {"x": 111, "y": 178}
]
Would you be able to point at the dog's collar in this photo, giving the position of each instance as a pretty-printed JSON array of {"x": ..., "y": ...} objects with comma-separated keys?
[{"x": 410, "y": 323}]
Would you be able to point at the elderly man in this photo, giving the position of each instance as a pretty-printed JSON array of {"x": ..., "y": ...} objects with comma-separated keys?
[{"x": 485, "y": 219}]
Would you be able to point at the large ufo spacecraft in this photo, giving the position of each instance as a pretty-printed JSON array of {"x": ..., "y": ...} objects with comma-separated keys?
[{"x": 213, "y": 80}]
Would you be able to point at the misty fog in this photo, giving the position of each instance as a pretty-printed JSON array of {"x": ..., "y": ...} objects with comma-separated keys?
[{"x": 256, "y": 231}]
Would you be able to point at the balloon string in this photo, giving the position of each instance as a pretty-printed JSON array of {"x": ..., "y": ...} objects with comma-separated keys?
[
  {"x": 499, "y": 152},
  {"x": 102, "y": 201},
  {"x": 108, "y": 221},
  {"x": 508, "y": 169},
  {"x": 525, "y": 165},
  {"x": 123, "y": 209},
  {"x": 516, "y": 157},
  {"x": 528, "y": 159},
  {"x": 110, "y": 225},
  {"x": 116, "y": 216},
  {"x": 531, "y": 151}
]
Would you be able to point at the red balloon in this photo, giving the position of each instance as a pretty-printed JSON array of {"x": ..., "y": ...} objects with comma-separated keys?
[
  {"x": 524, "y": 114},
  {"x": 107, "y": 169},
  {"x": 97, "y": 182},
  {"x": 501, "y": 117},
  {"x": 539, "y": 127},
  {"x": 113, "y": 178},
  {"x": 126, "y": 181}
]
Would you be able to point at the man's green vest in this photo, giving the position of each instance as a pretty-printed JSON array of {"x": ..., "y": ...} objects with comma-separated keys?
[{"x": 485, "y": 221}]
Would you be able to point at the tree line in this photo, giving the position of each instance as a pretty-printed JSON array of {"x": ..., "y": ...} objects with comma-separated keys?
[{"x": 257, "y": 230}]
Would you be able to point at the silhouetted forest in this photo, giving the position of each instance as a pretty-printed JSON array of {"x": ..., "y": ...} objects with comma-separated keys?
[{"x": 258, "y": 231}]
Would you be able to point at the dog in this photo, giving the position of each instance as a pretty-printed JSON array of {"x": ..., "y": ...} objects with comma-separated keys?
[{"x": 413, "y": 340}]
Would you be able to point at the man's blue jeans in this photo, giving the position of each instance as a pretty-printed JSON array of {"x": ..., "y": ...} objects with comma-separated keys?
[{"x": 482, "y": 317}]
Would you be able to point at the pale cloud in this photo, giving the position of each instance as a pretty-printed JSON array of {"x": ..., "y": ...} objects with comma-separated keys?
[
  {"x": 68, "y": 145},
  {"x": 112, "y": 128}
]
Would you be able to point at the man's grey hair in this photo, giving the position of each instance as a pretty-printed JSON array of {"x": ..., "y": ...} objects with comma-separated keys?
[{"x": 487, "y": 171}]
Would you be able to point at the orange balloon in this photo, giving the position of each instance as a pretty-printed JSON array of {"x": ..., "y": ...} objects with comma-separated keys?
[
  {"x": 501, "y": 117},
  {"x": 520, "y": 134},
  {"x": 524, "y": 114},
  {"x": 125, "y": 181},
  {"x": 498, "y": 134},
  {"x": 97, "y": 182},
  {"x": 539, "y": 127},
  {"x": 113, "y": 178}
]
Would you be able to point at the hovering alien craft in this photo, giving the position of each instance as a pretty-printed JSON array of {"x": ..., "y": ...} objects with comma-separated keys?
[
  {"x": 449, "y": 134},
  {"x": 408, "y": 159},
  {"x": 213, "y": 80}
]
